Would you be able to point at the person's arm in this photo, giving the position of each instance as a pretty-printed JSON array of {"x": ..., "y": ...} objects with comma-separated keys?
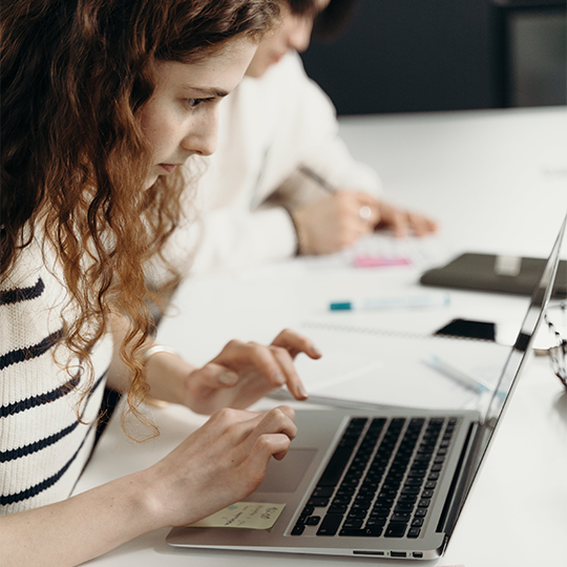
[
  {"x": 240, "y": 375},
  {"x": 231, "y": 238},
  {"x": 231, "y": 450},
  {"x": 327, "y": 222},
  {"x": 219, "y": 464}
]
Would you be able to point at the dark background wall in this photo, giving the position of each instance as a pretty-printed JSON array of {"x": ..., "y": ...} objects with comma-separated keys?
[{"x": 429, "y": 55}]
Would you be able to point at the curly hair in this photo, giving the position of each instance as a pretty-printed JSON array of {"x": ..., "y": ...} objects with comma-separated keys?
[{"x": 74, "y": 76}]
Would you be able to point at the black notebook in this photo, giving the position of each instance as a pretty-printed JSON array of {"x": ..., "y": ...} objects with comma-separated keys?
[{"x": 493, "y": 273}]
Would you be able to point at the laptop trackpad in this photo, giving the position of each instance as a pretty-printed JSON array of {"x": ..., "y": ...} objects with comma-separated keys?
[{"x": 285, "y": 475}]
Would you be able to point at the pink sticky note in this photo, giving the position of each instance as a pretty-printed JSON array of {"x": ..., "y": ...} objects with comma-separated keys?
[{"x": 367, "y": 261}]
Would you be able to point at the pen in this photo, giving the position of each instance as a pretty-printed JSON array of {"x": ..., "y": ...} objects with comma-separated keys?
[
  {"x": 308, "y": 172},
  {"x": 476, "y": 384},
  {"x": 401, "y": 302}
]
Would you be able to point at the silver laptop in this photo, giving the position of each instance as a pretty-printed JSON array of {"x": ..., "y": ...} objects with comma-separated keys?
[{"x": 387, "y": 483}]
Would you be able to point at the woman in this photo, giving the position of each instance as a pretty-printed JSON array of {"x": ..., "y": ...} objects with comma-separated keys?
[{"x": 102, "y": 101}]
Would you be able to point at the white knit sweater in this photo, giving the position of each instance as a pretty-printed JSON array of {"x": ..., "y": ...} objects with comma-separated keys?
[{"x": 43, "y": 444}]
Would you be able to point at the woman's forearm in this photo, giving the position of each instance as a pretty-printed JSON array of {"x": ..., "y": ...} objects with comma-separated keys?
[{"x": 85, "y": 526}]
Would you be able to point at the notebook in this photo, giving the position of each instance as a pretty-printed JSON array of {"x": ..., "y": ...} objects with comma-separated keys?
[
  {"x": 493, "y": 273},
  {"x": 376, "y": 482}
]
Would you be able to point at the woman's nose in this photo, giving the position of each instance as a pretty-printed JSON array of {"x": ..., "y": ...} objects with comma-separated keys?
[{"x": 202, "y": 138}]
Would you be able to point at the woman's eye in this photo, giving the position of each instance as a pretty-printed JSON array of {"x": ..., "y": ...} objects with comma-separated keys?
[{"x": 194, "y": 102}]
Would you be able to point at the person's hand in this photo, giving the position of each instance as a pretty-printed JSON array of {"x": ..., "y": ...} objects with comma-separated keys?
[
  {"x": 239, "y": 376},
  {"x": 403, "y": 222},
  {"x": 334, "y": 222},
  {"x": 245, "y": 372},
  {"x": 221, "y": 463}
]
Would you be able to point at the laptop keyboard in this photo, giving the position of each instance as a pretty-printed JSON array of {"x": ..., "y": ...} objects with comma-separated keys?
[{"x": 381, "y": 478}]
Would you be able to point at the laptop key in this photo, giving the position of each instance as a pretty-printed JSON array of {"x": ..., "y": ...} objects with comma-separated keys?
[
  {"x": 298, "y": 529},
  {"x": 353, "y": 523},
  {"x": 318, "y": 502},
  {"x": 352, "y": 532},
  {"x": 395, "y": 529},
  {"x": 414, "y": 532},
  {"x": 330, "y": 525},
  {"x": 307, "y": 511},
  {"x": 374, "y": 531},
  {"x": 322, "y": 492},
  {"x": 338, "y": 509},
  {"x": 374, "y": 520}
]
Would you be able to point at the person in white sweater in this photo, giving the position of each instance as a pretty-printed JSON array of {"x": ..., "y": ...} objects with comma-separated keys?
[
  {"x": 255, "y": 201},
  {"x": 98, "y": 114}
]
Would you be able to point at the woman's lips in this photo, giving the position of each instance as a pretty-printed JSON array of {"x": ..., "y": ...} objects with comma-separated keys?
[{"x": 169, "y": 167}]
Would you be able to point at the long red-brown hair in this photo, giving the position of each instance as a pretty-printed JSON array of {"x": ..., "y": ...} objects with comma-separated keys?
[{"x": 74, "y": 76}]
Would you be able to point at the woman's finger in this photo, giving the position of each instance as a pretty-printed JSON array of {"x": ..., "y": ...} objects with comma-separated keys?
[
  {"x": 269, "y": 433},
  {"x": 293, "y": 381},
  {"x": 295, "y": 343},
  {"x": 251, "y": 357},
  {"x": 214, "y": 375}
]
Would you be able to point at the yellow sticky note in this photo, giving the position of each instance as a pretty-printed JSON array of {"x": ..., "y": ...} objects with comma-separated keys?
[{"x": 249, "y": 515}]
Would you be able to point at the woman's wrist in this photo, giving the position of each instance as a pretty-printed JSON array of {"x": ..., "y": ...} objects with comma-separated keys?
[
  {"x": 167, "y": 374},
  {"x": 154, "y": 349},
  {"x": 146, "y": 356}
]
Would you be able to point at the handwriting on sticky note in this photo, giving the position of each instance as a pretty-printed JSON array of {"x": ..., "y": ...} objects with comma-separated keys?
[{"x": 248, "y": 515}]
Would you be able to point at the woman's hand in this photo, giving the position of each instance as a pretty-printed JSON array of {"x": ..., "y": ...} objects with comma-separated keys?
[
  {"x": 404, "y": 223},
  {"x": 221, "y": 463},
  {"x": 338, "y": 220},
  {"x": 239, "y": 376}
]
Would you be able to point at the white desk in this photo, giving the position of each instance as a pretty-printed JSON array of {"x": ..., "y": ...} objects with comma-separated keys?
[{"x": 497, "y": 181}]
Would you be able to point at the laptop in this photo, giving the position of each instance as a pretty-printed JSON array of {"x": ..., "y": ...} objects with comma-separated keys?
[{"x": 379, "y": 482}]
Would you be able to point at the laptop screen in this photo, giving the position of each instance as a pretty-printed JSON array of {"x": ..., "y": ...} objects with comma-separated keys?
[{"x": 516, "y": 360}]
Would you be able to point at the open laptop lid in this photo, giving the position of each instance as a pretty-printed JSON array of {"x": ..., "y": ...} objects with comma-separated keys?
[{"x": 515, "y": 363}]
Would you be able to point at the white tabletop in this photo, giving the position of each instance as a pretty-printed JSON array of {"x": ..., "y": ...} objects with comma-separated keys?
[
  {"x": 496, "y": 178},
  {"x": 497, "y": 181}
]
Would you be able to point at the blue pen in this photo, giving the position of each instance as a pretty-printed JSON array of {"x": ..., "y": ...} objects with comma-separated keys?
[
  {"x": 401, "y": 302},
  {"x": 472, "y": 383}
]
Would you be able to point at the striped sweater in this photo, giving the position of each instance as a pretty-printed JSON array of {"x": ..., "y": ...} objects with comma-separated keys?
[{"x": 44, "y": 445}]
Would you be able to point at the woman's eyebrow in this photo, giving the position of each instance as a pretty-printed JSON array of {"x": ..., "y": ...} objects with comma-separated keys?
[{"x": 207, "y": 92}]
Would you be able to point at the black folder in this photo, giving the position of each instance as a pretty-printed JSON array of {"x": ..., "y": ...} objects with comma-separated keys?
[{"x": 487, "y": 272}]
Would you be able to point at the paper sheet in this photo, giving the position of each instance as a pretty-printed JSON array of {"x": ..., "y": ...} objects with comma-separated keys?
[{"x": 395, "y": 371}]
